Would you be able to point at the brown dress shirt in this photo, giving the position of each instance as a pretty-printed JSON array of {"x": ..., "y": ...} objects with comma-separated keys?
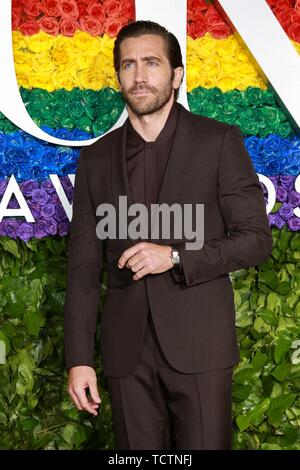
[{"x": 147, "y": 161}]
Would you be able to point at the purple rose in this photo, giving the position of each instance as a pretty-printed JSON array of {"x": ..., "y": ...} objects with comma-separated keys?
[
  {"x": 274, "y": 180},
  {"x": 281, "y": 194},
  {"x": 285, "y": 211},
  {"x": 40, "y": 196},
  {"x": 11, "y": 227},
  {"x": 60, "y": 213},
  {"x": 25, "y": 231},
  {"x": 286, "y": 181},
  {"x": 66, "y": 183},
  {"x": 276, "y": 220},
  {"x": 35, "y": 208},
  {"x": 63, "y": 228},
  {"x": 69, "y": 194},
  {"x": 51, "y": 227},
  {"x": 3, "y": 232},
  {"x": 54, "y": 199},
  {"x": 28, "y": 187},
  {"x": 294, "y": 223},
  {"x": 40, "y": 229},
  {"x": 3, "y": 186},
  {"x": 294, "y": 199},
  {"x": 47, "y": 185},
  {"x": 47, "y": 211},
  {"x": 13, "y": 203}
]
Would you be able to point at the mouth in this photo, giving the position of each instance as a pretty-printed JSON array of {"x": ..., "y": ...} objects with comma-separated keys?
[{"x": 140, "y": 92}]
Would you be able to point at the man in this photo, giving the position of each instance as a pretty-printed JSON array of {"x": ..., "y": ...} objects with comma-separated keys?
[{"x": 167, "y": 328}]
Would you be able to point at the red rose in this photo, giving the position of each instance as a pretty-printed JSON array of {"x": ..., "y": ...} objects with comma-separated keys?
[
  {"x": 96, "y": 11},
  {"x": 128, "y": 9},
  {"x": 68, "y": 9},
  {"x": 294, "y": 32},
  {"x": 32, "y": 8},
  {"x": 220, "y": 30},
  {"x": 50, "y": 8},
  {"x": 16, "y": 17},
  {"x": 91, "y": 25},
  {"x": 284, "y": 18},
  {"x": 294, "y": 29},
  {"x": 197, "y": 5},
  {"x": 49, "y": 25},
  {"x": 81, "y": 8},
  {"x": 68, "y": 27},
  {"x": 112, "y": 7},
  {"x": 198, "y": 28},
  {"x": 29, "y": 27},
  {"x": 112, "y": 26},
  {"x": 16, "y": 4},
  {"x": 283, "y": 4},
  {"x": 197, "y": 16},
  {"x": 212, "y": 16},
  {"x": 297, "y": 5},
  {"x": 272, "y": 3}
]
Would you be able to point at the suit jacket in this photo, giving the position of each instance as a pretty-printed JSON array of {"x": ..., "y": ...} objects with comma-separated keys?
[{"x": 194, "y": 314}]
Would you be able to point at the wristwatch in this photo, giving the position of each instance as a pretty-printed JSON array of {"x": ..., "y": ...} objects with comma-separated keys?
[{"x": 175, "y": 258}]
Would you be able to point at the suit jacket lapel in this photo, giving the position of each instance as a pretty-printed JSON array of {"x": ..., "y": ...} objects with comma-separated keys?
[{"x": 172, "y": 182}]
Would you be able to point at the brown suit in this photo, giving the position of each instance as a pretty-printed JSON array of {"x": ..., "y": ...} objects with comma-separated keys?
[
  {"x": 170, "y": 377},
  {"x": 194, "y": 319}
]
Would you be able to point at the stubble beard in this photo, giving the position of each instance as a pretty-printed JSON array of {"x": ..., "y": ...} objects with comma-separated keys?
[{"x": 148, "y": 104}]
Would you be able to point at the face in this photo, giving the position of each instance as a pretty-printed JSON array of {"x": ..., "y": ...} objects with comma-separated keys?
[{"x": 146, "y": 78}]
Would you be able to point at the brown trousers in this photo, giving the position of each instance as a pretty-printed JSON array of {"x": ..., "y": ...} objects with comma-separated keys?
[{"x": 159, "y": 408}]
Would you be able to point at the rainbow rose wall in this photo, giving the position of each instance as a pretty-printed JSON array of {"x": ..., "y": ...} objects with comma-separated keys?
[{"x": 63, "y": 55}]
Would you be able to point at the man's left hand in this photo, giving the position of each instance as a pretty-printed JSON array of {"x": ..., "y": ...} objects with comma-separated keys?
[{"x": 146, "y": 258}]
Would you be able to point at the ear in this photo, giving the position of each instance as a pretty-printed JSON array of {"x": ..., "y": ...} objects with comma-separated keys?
[{"x": 178, "y": 77}]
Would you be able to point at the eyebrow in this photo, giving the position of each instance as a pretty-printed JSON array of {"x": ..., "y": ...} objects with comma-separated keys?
[{"x": 144, "y": 59}]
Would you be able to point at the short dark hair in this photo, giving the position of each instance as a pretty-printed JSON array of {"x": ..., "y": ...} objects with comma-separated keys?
[{"x": 138, "y": 28}]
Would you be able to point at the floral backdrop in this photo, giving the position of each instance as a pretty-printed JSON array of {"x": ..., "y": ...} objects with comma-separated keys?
[{"x": 64, "y": 67}]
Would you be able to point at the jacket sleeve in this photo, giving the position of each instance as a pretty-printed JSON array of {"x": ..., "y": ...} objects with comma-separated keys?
[
  {"x": 248, "y": 241},
  {"x": 85, "y": 262}
]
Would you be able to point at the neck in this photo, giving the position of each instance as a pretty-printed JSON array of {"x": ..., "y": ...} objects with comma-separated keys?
[{"x": 150, "y": 125}]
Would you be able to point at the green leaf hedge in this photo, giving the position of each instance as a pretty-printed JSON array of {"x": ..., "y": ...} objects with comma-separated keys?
[{"x": 35, "y": 409}]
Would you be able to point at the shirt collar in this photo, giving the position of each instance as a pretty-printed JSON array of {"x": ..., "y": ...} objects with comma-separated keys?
[{"x": 166, "y": 132}]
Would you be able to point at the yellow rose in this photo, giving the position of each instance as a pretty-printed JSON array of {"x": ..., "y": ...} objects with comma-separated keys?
[
  {"x": 60, "y": 55},
  {"x": 84, "y": 41},
  {"x": 43, "y": 63},
  {"x": 82, "y": 60},
  {"x": 41, "y": 80},
  {"x": 226, "y": 82},
  {"x": 90, "y": 79},
  {"x": 66, "y": 79},
  {"x": 23, "y": 62},
  {"x": 40, "y": 42},
  {"x": 22, "y": 79},
  {"x": 18, "y": 41}
]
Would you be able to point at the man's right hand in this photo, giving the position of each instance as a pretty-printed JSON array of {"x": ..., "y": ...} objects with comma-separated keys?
[{"x": 80, "y": 378}]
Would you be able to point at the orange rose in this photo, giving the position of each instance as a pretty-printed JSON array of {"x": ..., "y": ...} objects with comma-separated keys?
[
  {"x": 112, "y": 26},
  {"x": 68, "y": 27},
  {"x": 91, "y": 25},
  {"x": 68, "y": 9},
  {"x": 49, "y": 25},
  {"x": 112, "y": 7}
]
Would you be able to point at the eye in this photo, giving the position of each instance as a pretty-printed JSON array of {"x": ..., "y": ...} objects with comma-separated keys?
[
  {"x": 152, "y": 62},
  {"x": 126, "y": 66}
]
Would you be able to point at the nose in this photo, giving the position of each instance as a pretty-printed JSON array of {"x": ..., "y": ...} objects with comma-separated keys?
[{"x": 140, "y": 72}]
